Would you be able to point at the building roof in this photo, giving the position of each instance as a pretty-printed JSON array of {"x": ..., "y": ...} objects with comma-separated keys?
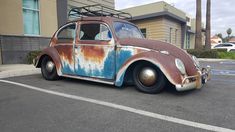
[
  {"x": 213, "y": 42},
  {"x": 156, "y": 9},
  {"x": 215, "y": 37}
]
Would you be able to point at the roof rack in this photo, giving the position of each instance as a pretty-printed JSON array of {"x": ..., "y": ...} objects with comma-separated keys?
[{"x": 97, "y": 10}]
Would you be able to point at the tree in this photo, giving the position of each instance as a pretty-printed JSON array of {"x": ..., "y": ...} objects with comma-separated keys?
[
  {"x": 229, "y": 31},
  {"x": 220, "y": 35},
  {"x": 208, "y": 25},
  {"x": 198, "y": 39}
]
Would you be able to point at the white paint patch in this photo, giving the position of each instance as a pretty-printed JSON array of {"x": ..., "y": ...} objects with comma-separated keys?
[
  {"x": 91, "y": 65},
  {"x": 129, "y": 109}
]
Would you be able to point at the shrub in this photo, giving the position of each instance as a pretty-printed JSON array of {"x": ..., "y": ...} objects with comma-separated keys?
[
  {"x": 214, "y": 53},
  {"x": 31, "y": 55},
  {"x": 203, "y": 53},
  {"x": 226, "y": 55}
]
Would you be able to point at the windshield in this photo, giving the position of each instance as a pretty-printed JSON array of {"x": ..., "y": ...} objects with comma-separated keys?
[{"x": 126, "y": 30}]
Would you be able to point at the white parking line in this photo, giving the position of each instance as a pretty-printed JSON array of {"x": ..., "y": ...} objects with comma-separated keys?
[{"x": 129, "y": 109}]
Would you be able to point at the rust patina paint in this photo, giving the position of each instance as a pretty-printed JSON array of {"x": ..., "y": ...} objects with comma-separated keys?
[
  {"x": 162, "y": 61},
  {"x": 162, "y": 46},
  {"x": 52, "y": 52},
  {"x": 66, "y": 52},
  {"x": 93, "y": 53}
]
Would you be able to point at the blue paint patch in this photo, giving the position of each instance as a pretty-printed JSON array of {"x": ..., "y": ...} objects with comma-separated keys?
[
  {"x": 119, "y": 82},
  {"x": 109, "y": 66},
  {"x": 122, "y": 57},
  {"x": 66, "y": 69},
  {"x": 107, "y": 72}
]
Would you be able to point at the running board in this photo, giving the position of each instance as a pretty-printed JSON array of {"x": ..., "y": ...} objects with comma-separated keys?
[{"x": 90, "y": 79}]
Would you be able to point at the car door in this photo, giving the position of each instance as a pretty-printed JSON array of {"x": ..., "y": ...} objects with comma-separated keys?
[
  {"x": 65, "y": 40},
  {"x": 95, "y": 52}
]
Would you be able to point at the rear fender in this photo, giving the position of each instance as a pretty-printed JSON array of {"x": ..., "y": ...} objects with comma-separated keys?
[{"x": 53, "y": 54}]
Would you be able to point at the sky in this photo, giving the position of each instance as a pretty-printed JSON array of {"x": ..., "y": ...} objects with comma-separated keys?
[{"x": 222, "y": 11}]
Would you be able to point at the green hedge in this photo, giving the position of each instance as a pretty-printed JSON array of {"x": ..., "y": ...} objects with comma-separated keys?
[
  {"x": 31, "y": 55},
  {"x": 204, "y": 53},
  {"x": 226, "y": 55},
  {"x": 214, "y": 53}
]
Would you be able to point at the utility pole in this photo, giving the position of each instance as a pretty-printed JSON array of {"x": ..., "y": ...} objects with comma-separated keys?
[
  {"x": 198, "y": 39},
  {"x": 208, "y": 25}
]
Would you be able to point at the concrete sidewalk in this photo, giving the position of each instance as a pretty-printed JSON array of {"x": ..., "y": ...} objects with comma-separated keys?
[{"x": 12, "y": 70}]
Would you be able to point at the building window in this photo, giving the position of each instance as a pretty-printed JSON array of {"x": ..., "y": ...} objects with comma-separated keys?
[
  {"x": 187, "y": 19},
  {"x": 176, "y": 34},
  {"x": 170, "y": 35},
  {"x": 188, "y": 41},
  {"x": 143, "y": 31},
  {"x": 31, "y": 17}
]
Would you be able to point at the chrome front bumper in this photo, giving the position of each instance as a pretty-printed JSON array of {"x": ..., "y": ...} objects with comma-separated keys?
[{"x": 199, "y": 80}]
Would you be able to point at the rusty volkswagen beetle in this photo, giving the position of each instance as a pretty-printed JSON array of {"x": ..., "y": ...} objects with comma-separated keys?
[{"x": 113, "y": 51}]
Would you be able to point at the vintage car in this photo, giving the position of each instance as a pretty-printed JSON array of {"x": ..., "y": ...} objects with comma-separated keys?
[{"x": 110, "y": 50}]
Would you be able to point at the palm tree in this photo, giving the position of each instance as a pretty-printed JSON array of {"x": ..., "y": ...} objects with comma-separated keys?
[
  {"x": 229, "y": 32},
  {"x": 198, "y": 39},
  {"x": 208, "y": 25}
]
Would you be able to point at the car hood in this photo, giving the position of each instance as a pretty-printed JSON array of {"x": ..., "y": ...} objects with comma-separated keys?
[{"x": 162, "y": 47}]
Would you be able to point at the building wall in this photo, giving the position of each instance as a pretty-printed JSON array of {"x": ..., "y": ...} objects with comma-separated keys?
[
  {"x": 174, "y": 30},
  {"x": 15, "y": 48},
  {"x": 14, "y": 45},
  {"x": 11, "y": 22},
  {"x": 11, "y": 12},
  {"x": 159, "y": 29},
  {"x": 48, "y": 17},
  {"x": 154, "y": 28}
]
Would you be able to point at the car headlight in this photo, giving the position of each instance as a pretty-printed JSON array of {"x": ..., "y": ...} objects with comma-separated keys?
[
  {"x": 180, "y": 65},
  {"x": 196, "y": 62}
]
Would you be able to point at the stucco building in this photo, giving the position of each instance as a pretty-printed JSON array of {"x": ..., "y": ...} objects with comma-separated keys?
[
  {"x": 160, "y": 21},
  {"x": 27, "y": 25}
]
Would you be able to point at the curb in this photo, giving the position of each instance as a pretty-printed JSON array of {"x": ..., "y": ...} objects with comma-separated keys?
[
  {"x": 16, "y": 73},
  {"x": 214, "y": 60}
]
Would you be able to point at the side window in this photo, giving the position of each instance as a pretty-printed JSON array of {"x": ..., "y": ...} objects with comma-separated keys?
[
  {"x": 228, "y": 45},
  {"x": 95, "y": 32},
  {"x": 67, "y": 34}
]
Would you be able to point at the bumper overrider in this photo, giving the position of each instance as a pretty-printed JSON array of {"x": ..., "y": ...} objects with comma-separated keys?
[{"x": 195, "y": 82}]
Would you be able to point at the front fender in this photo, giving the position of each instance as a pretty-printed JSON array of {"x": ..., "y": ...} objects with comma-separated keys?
[
  {"x": 166, "y": 63},
  {"x": 53, "y": 54}
]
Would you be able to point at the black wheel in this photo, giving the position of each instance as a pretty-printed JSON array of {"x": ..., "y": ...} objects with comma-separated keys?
[
  {"x": 148, "y": 78},
  {"x": 48, "y": 69}
]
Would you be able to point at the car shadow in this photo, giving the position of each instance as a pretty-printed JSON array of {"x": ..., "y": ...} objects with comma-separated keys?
[
  {"x": 169, "y": 89},
  {"x": 90, "y": 83}
]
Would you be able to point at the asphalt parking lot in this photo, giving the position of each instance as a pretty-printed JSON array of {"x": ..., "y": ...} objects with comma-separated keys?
[{"x": 30, "y": 103}]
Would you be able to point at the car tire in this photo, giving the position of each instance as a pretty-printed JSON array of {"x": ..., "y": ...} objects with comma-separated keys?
[
  {"x": 48, "y": 69},
  {"x": 148, "y": 78}
]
